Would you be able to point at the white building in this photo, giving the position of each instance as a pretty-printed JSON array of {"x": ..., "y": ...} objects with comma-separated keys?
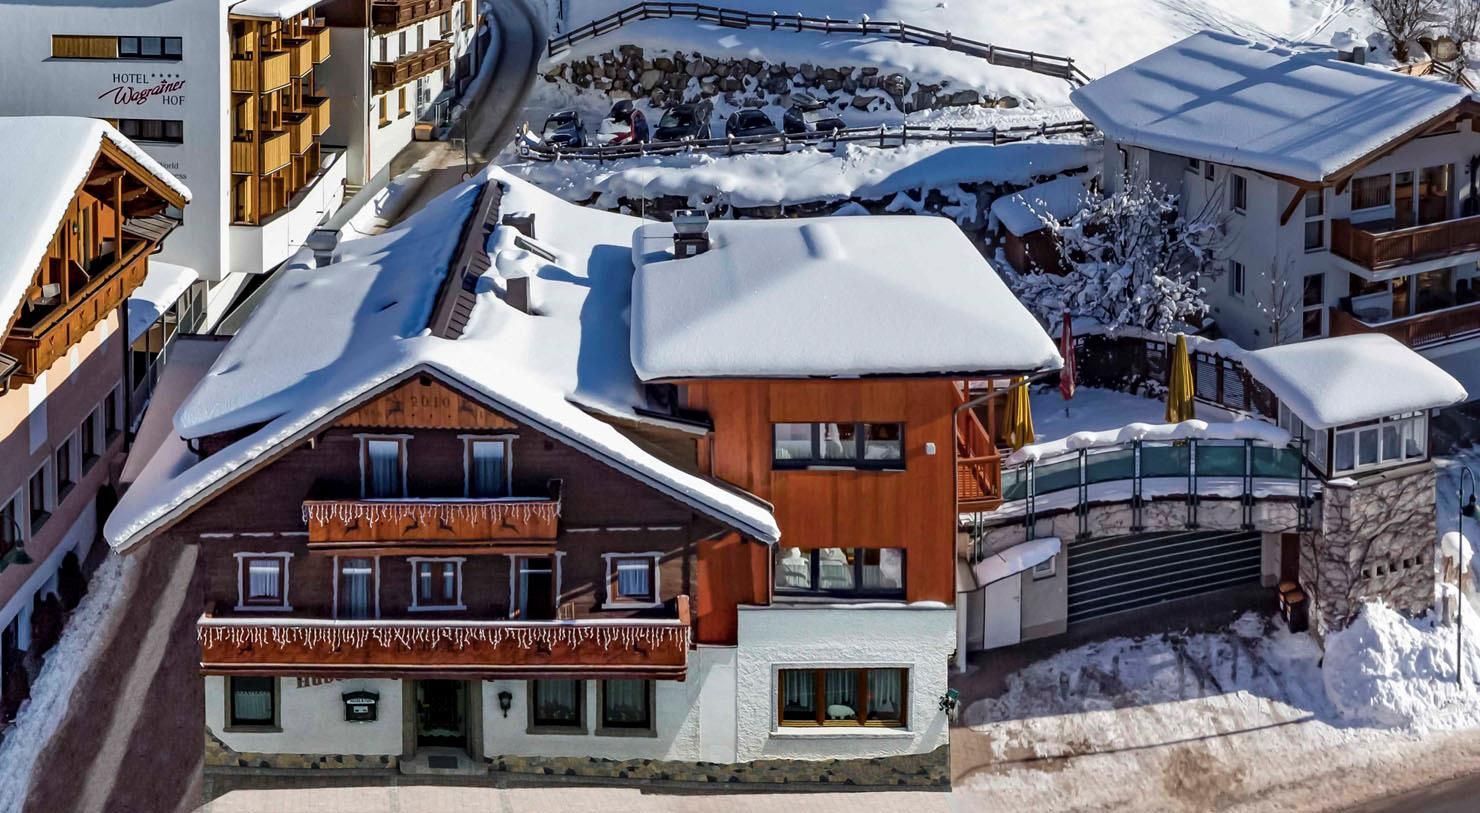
[{"x": 1348, "y": 190}]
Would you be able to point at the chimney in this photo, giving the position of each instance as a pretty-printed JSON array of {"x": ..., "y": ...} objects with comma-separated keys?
[
  {"x": 516, "y": 295},
  {"x": 322, "y": 242},
  {"x": 1359, "y": 55},
  {"x": 690, "y": 233}
]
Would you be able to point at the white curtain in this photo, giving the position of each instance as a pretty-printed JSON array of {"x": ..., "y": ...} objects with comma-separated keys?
[
  {"x": 884, "y": 693},
  {"x": 263, "y": 577},
  {"x": 557, "y": 699},
  {"x": 385, "y": 468},
  {"x": 355, "y": 592},
  {"x": 834, "y": 571},
  {"x": 449, "y": 582},
  {"x": 625, "y": 701},
  {"x": 886, "y": 571},
  {"x": 840, "y": 688},
  {"x": 486, "y": 469},
  {"x": 632, "y": 579},
  {"x": 798, "y": 691},
  {"x": 252, "y": 705}
]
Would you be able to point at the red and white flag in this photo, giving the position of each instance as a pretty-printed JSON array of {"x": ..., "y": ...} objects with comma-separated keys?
[{"x": 1066, "y": 349}]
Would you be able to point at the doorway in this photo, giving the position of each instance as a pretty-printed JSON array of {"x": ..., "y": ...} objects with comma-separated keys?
[
  {"x": 441, "y": 713},
  {"x": 534, "y": 597}
]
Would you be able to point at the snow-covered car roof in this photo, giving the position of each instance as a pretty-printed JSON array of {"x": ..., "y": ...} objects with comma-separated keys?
[
  {"x": 1350, "y": 379},
  {"x": 833, "y": 296},
  {"x": 1221, "y": 98}
]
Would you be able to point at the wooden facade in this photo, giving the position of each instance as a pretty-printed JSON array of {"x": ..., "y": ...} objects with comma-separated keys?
[
  {"x": 97, "y": 257},
  {"x": 1380, "y": 250},
  {"x": 1433, "y": 327},
  {"x": 278, "y": 112},
  {"x": 387, "y": 76}
]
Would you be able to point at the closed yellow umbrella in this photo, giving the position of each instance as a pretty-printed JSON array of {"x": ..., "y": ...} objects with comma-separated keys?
[
  {"x": 1179, "y": 384},
  {"x": 1019, "y": 415}
]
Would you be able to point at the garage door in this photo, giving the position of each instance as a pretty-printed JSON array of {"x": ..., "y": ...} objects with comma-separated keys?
[{"x": 1121, "y": 573}]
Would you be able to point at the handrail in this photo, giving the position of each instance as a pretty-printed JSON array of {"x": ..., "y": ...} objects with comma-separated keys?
[
  {"x": 882, "y": 137},
  {"x": 1047, "y": 64},
  {"x": 97, "y": 283}
]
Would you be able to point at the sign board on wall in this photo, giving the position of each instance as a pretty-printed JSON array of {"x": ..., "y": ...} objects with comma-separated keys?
[{"x": 360, "y": 706}]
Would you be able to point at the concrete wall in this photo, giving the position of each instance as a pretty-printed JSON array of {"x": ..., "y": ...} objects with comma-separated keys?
[
  {"x": 920, "y": 638},
  {"x": 1045, "y": 601},
  {"x": 312, "y": 719},
  {"x": 255, "y": 249}
]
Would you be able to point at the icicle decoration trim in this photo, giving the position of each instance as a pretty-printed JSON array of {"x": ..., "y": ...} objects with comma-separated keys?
[
  {"x": 397, "y": 512},
  {"x": 407, "y": 637}
]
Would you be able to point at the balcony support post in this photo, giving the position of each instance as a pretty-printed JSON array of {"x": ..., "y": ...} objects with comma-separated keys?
[
  {"x": 1192, "y": 484},
  {"x": 1137, "y": 503},
  {"x": 1032, "y": 487},
  {"x": 1248, "y": 496},
  {"x": 1082, "y": 509}
]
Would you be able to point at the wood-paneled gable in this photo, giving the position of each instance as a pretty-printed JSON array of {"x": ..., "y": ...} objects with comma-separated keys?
[{"x": 425, "y": 403}]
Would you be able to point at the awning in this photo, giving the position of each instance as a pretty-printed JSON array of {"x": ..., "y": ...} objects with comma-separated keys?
[
  {"x": 162, "y": 286},
  {"x": 1014, "y": 560}
]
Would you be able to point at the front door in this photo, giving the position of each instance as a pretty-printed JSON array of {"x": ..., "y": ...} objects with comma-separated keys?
[
  {"x": 1003, "y": 624},
  {"x": 441, "y": 713}
]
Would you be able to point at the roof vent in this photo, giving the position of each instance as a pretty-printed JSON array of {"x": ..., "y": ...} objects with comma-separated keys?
[
  {"x": 516, "y": 295},
  {"x": 322, "y": 242},
  {"x": 690, "y": 233}
]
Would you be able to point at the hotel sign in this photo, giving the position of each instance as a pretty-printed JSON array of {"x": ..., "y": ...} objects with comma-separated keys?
[{"x": 141, "y": 88}]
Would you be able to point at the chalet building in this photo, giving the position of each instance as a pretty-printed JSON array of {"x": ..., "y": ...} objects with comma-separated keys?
[
  {"x": 1299, "y": 474},
  {"x": 235, "y": 98},
  {"x": 1348, "y": 190},
  {"x": 454, "y": 515},
  {"x": 74, "y": 245}
]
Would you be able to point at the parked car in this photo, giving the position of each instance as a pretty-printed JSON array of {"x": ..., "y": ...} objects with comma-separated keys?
[
  {"x": 685, "y": 122},
  {"x": 625, "y": 124},
  {"x": 564, "y": 130},
  {"x": 751, "y": 122},
  {"x": 810, "y": 115}
]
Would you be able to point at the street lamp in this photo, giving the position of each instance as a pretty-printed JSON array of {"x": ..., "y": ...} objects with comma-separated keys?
[
  {"x": 1467, "y": 508},
  {"x": 459, "y": 110}
]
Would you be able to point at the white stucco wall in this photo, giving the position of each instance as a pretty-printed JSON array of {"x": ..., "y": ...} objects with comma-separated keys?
[
  {"x": 675, "y": 735},
  {"x": 255, "y": 249},
  {"x": 312, "y": 719},
  {"x": 918, "y": 638}
]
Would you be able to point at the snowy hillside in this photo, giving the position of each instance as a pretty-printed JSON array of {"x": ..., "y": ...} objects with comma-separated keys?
[{"x": 1100, "y": 35}]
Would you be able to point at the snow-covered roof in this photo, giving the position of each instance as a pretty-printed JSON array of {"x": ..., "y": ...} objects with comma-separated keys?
[
  {"x": 326, "y": 338},
  {"x": 164, "y": 284},
  {"x": 271, "y": 9},
  {"x": 1233, "y": 101},
  {"x": 1349, "y": 379},
  {"x": 836, "y": 296},
  {"x": 1011, "y": 561},
  {"x": 1022, "y": 212},
  {"x": 50, "y": 158}
]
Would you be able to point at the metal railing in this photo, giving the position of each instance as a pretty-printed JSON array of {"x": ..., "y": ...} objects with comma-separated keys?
[
  {"x": 1189, "y": 462},
  {"x": 1046, "y": 64},
  {"x": 881, "y": 137}
]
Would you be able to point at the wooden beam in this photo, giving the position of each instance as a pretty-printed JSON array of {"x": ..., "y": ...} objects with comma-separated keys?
[
  {"x": 1294, "y": 203},
  {"x": 106, "y": 177}
]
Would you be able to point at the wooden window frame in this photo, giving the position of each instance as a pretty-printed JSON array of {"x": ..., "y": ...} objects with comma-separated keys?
[
  {"x": 532, "y": 726},
  {"x": 604, "y": 729},
  {"x": 819, "y": 682},
  {"x": 243, "y": 569},
  {"x": 814, "y": 566},
  {"x": 416, "y": 604},
  {"x": 230, "y": 698},
  {"x": 404, "y": 442},
  {"x": 385, "y": 118},
  {"x": 653, "y": 559},
  {"x": 375, "y": 578},
  {"x": 508, "y": 443},
  {"x": 859, "y": 460}
]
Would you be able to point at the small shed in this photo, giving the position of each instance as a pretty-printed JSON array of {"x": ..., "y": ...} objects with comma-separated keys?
[{"x": 1027, "y": 244}]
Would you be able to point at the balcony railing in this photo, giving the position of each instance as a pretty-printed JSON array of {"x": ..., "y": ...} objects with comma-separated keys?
[
  {"x": 978, "y": 467},
  {"x": 318, "y": 107},
  {"x": 276, "y": 72},
  {"x": 300, "y": 52},
  {"x": 648, "y": 649},
  {"x": 319, "y": 35},
  {"x": 250, "y": 157},
  {"x": 497, "y": 525},
  {"x": 388, "y": 15},
  {"x": 1378, "y": 250},
  {"x": 385, "y": 76},
  {"x": 39, "y": 345},
  {"x": 300, "y": 131},
  {"x": 1419, "y": 330}
]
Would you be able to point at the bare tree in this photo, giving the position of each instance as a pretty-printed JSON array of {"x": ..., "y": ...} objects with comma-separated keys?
[
  {"x": 1406, "y": 20},
  {"x": 1464, "y": 25},
  {"x": 1280, "y": 305}
]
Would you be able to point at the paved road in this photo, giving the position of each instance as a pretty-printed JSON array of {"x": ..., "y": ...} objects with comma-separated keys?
[{"x": 1460, "y": 795}]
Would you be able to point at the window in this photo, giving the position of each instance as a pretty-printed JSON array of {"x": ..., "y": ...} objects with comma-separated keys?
[
  {"x": 534, "y": 586},
  {"x": 557, "y": 707},
  {"x": 1194, "y": 165},
  {"x": 632, "y": 579},
  {"x": 163, "y": 131},
  {"x": 1237, "y": 278},
  {"x": 488, "y": 467},
  {"x": 382, "y": 467},
  {"x": 66, "y": 472},
  {"x": 852, "y": 445},
  {"x": 1315, "y": 224},
  {"x": 356, "y": 595},
  {"x": 112, "y": 417},
  {"x": 385, "y": 117},
  {"x": 251, "y": 702},
  {"x": 436, "y": 584},
  {"x": 385, "y": 50},
  {"x": 10, "y": 525},
  {"x": 1208, "y": 170},
  {"x": 842, "y": 697},
  {"x": 262, "y": 581},
  {"x": 37, "y": 498},
  {"x": 1238, "y": 188},
  {"x": 1372, "y": 192},
  {"x": 841, "y": 571},
  {"x": 1313, "y": 307},
  {"x": 163, "y": 48},
  {"x": 626, "y": 707},
  {"x": 89, "y": 436},
  {"x": 401, "y": 102},
  {"x": 1386, "y": 442},
  {"x": 1045, "y": 568}
]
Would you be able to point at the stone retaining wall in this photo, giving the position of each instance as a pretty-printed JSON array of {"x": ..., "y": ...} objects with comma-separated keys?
[
  {"x": 913, "y": 770},
  {"x": 220, "y": 755}
]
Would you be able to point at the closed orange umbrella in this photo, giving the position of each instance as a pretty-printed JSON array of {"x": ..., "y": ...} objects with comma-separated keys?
[{"x": 1180, "y": 393}]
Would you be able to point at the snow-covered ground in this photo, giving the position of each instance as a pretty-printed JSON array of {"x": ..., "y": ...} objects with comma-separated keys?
[
  {"x": 1100, "y": 35},
  {"x": 1446, "y": 507},
  {"x": 1195, "y": 721}
]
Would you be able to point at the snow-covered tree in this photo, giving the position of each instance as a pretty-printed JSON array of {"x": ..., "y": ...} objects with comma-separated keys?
[
  {"x": 1132, "y": 260},
  {"x": 1406, "y": 20}
]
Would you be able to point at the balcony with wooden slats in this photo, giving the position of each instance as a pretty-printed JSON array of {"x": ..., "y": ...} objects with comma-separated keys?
[
  {"x": 389, "y": 15},
  {"x": 272, "y": 153},
  {"x": 386, "y": 76},
  {"x": 319, "y": 108},
  {"x": 300, "y": 55},
  {"x": 299, "y": 127},
  {"x": 1417, "y": 331},
  {"x": 1379, "y": 247},
  {"x": 276, "y": 68},
  {"x": 38, "y": 343},
  {"x": 617, "y": 648},
  {"x": 978, "y": 465},
  {"x": 319, "y": 35},
  {"x": 528, "y": 524}
]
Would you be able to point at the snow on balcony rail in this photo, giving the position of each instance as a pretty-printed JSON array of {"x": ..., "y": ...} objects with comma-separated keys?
[{"x": 1242, "y": 429}]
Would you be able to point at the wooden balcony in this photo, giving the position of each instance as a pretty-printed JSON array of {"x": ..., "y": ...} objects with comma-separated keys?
[
  {"x": 978, "y": 466},
  {"x": 299, "y": 127},
  {"x": 648, "y": 649},
  {"x": 300, "y": 55},
  {"x": 249, "y": 157},
  {"x": 318, "y": 107},
  {"x": 319, "y": 35},
  {"x": 1416, "y": 331},
  {"x": 386, "y": 76},
  {"x": 1378, "y": 249},
  {"x": 388, "y": 15},
  {"x": 467, "y": 526},
  {"x": 277, "y": 71},
  {"x": 38, "y": 346}
]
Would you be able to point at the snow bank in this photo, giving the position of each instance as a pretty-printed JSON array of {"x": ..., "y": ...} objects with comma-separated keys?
[
  {"x": 806, "y": 176},
  {"x": 1022, "y": 213},
  {"x": 1390, "y": 671},
  {"x": 1241, "y": 429}
]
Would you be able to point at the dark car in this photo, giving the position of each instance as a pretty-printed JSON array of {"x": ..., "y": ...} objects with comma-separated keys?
[
  {"x": 684, "y": 122},
  {"x": 750, "y": 123},
  {"x": 564, "y": 130},
  {"x": 809, "y": 115},
  {"x": 625, "y": 124}
]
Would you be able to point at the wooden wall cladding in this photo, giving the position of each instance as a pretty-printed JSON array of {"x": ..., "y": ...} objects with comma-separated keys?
[{"x": 424, "y": 403}]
